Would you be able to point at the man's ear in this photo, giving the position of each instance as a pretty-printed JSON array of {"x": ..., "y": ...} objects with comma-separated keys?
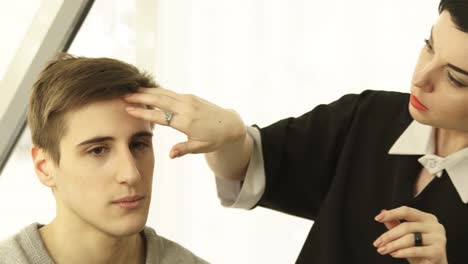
[{"x": 43, "y": 165}]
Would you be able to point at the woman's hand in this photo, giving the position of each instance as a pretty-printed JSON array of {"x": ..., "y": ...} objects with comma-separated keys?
[
  {"x": 400, "y": 240},
  {"x": 207, "y": 126}
]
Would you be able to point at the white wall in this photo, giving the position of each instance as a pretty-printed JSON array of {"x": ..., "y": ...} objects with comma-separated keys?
[{"x": 266, "y": 59}]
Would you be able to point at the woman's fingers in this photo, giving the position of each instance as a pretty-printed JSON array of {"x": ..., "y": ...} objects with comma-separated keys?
[
  {"x": 434, "y": 252},
  {"x": 408, "y": 241},
  {"x": 206, "y": 125},
  {"x": 158, "y": 90},
  {"x": 403, "y": 229},
  {"x": 160, "y": 101},
  {"x": 406, "y": 213},
  {"x": 156, "y": 116},
  {"x": 159, "y": 117},
  {"x": 400, "y": 241},
  {"x": 190, "y": 146},
  {"x": 390, "y": 224}
]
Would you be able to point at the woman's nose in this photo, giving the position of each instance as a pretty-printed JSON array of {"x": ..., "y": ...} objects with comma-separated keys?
[{"x": 423, "y": 79}]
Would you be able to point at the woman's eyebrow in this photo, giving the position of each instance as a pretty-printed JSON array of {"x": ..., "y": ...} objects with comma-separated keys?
[
  {"x": 451, "y": 66},
  {"x": 455, "y": 68}
]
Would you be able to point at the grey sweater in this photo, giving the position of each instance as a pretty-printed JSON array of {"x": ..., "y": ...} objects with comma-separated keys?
[{"x": 27, "y": 247}]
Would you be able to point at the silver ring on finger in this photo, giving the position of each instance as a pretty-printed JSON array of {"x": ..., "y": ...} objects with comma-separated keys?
[
  {"x": 168, "y": 117},
  {"x": 418, "y": 240}
]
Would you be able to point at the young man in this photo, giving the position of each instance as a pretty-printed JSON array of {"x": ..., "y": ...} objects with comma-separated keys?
[{"x": 98, "y": 161}]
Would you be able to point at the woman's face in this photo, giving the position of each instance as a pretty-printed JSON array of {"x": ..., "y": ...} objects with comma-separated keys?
[{"x": 440, "y": 81}]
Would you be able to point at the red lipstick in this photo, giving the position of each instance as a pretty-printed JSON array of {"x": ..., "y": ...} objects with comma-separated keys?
[{"x": 417, "y": 104}]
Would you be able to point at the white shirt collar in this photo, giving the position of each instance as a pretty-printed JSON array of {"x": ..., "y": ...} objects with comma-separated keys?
[{"x": 418, "y": 139}]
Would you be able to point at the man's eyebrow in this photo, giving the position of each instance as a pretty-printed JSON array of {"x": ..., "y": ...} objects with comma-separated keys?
[
  {"x": 451, "y": 66},
  {"x": 103, "y": 139},
  {"x": 142, "y": 134},
  {"x": 95, "y": 140}
]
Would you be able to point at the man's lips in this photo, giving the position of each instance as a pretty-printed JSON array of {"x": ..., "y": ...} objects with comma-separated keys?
[
  {"x": 129, "y": 202},
  {"x": 417, "y": 104},
  {"x": 129, "y": 199}
]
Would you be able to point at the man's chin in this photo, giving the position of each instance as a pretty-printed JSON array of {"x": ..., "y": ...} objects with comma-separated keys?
[
  {"x": 127, "y": 226},
  {"x": 128, "y": 229}
]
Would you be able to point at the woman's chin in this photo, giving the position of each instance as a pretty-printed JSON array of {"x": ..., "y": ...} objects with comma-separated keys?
[{"x": 419, "y": 116}]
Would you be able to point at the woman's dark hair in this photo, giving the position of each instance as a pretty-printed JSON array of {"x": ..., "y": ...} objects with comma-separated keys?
[{"x": 458, "y": 9}]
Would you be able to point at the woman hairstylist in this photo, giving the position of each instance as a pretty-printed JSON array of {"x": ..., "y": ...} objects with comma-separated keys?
[{"x": 384, "y": 175}]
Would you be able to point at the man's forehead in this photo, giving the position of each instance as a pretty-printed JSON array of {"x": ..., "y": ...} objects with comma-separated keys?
[{"x": 102, "y": 118}]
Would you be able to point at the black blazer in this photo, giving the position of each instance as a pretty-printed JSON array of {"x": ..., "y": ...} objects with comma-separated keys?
[{"x": 331, "y": 165}]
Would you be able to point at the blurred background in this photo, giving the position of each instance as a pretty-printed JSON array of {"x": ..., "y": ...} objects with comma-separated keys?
[{"x": 267, "y": 59}]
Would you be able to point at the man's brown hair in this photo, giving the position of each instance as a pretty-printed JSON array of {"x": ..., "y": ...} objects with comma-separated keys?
[{"x": 69, "y": 82}]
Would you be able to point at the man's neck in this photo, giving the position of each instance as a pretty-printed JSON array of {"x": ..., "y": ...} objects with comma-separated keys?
[{"x": 91, "y": 246}]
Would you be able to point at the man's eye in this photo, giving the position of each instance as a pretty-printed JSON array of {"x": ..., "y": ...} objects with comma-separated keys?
[
  {"x": 138, "y": 145},
  {"x": 428, "y": 44},
  {"x": 97, "y": 151}
]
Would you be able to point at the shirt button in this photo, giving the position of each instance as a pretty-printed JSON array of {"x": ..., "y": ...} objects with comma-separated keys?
[{"x": 432, "y": 163}]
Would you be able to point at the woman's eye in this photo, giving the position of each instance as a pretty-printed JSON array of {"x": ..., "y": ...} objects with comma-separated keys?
[{"x": 455, "y": 81}]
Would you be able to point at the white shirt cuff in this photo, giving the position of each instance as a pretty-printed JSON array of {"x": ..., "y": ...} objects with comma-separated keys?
[{"x": 234, "y": 194}]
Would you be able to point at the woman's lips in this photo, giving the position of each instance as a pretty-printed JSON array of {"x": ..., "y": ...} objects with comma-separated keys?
[{"x": 417, "y": 104}]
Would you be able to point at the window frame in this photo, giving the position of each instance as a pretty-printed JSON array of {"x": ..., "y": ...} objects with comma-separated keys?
[{"x": 58, "y": 38}]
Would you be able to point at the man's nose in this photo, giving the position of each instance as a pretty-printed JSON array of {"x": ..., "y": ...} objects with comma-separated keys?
[{"x": 127, "y": 172}]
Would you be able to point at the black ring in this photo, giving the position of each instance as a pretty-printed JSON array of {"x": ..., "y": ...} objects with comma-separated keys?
[{"x": 418, "y": 241}]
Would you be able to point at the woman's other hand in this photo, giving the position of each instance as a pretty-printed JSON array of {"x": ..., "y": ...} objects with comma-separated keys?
[{"x": 402, "y": 237}]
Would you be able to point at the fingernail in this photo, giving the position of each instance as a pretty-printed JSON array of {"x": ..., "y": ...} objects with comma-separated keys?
[
  {"x": 382, "y": 250},
  {"x": 175, "y": 154},
  {"x": 377, "y": 242},
  {"x": 380, "y": 217},
  {"x": 130, "y": 108}
]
